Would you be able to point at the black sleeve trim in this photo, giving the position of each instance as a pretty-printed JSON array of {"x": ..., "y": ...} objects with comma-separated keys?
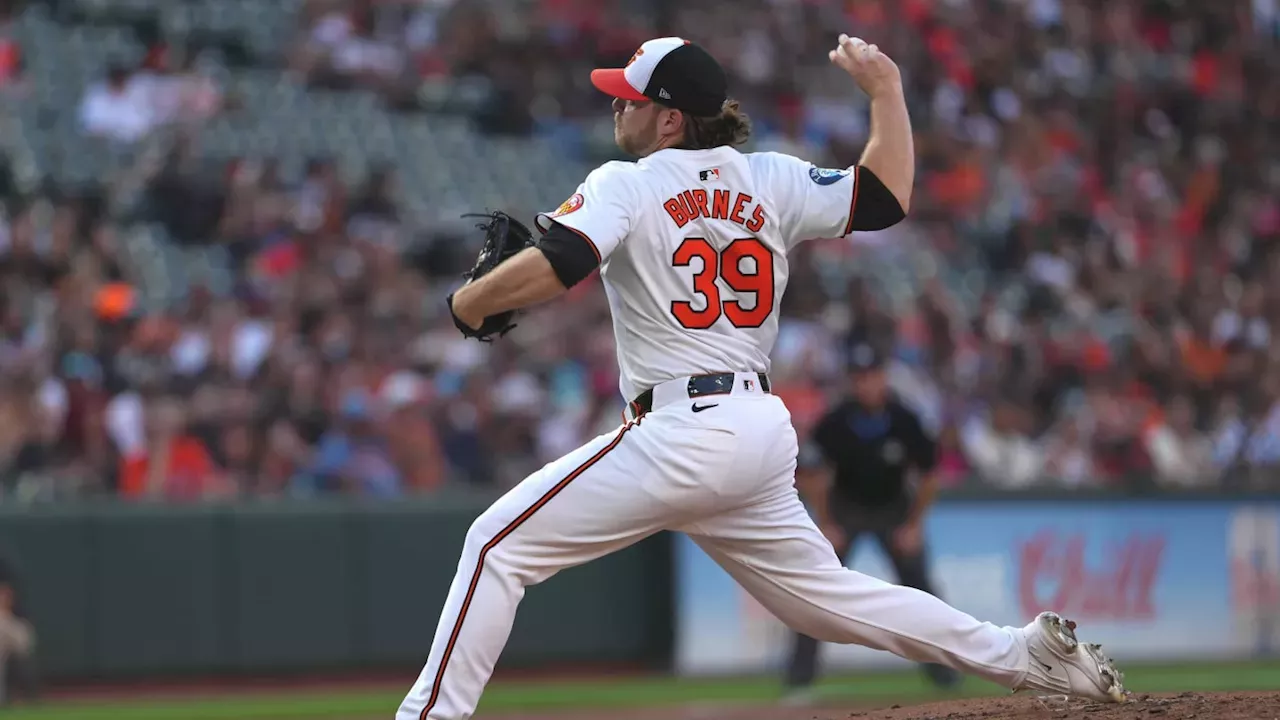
[
  {"x": 571, "y": 254},
  {"x": 874, "y": 207}
]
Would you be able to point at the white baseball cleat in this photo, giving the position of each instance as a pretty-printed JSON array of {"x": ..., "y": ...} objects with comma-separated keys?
[{"x": 1062, "y": 665}]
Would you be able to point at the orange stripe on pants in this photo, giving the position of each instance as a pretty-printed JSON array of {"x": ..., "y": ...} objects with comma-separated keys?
[{"x": 475, "y": 577}]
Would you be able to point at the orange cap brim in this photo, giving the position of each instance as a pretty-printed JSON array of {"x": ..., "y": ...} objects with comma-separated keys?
[{"x": 611, "y": 81}]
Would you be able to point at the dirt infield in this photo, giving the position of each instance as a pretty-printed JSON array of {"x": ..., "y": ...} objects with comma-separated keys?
[
  {"x": 1183, "y": 706},
  {"x": 1201, "y": 706}
]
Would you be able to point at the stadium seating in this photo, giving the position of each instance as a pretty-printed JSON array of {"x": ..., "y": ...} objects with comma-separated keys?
[{"x": 445, "y": 167}]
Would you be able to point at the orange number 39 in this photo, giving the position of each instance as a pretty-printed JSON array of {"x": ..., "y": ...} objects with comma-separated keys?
[{"x": 728, "y": 265}]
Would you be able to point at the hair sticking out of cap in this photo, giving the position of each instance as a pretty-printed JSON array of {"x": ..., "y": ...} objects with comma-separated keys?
[{"x": 731, "y": 127}]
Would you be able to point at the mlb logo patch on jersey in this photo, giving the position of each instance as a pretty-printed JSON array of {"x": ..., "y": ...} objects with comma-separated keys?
[
  {"x": 710, "y": 174},
  {"x": 569, "y": 205},
  {"x": 826, "y": 176}
]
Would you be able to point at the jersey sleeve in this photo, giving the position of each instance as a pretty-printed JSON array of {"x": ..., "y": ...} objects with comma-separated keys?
[
  {"x": 812, "y": 202},
  {"x": 602, "y": 210}
]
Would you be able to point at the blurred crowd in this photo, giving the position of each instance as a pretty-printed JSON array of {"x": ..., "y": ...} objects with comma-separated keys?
[{"x": 1092, "y": 253}]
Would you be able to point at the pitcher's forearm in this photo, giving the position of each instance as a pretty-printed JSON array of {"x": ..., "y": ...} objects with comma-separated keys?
[
  {"x": 526, "y": 279},
  {"x": 890, "y": 152}
]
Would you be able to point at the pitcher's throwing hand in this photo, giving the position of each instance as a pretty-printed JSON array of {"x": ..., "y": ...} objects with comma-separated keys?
[{"x": 874, "y": 72}]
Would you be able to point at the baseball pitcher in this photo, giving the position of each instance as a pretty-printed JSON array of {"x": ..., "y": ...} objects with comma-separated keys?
[{"x": 691, "y": 242}]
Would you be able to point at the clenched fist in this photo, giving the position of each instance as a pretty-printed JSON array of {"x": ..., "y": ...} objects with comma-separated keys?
[{"x": 874, "y": 72}]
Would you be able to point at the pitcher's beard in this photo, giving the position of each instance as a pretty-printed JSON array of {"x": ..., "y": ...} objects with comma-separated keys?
[{"x": 638, "y": 144}]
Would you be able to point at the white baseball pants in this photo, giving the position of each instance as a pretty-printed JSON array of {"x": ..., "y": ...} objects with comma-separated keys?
[{"x": 724, "y": 476}]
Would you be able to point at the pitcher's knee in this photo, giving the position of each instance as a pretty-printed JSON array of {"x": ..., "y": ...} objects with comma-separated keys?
[
  {"x": 500, "y": 553},
  {"x": 479, "y": 537},
  {"x": 494, "y": 526}
]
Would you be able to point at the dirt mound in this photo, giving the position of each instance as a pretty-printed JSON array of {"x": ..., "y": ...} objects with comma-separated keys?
[{"x": 1182, "y": 706}]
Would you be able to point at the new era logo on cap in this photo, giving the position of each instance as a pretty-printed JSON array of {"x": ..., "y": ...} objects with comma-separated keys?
[{"x": 671, "y": 70}]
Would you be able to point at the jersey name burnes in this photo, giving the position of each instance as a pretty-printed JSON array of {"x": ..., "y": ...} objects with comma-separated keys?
[{"x": 696, "y": 203}]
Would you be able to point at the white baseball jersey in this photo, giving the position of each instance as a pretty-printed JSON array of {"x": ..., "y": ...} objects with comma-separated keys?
[{"x": 693, "y": 248}]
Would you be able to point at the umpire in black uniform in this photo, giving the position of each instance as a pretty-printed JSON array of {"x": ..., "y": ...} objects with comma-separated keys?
[{"x": 869, "y": 467}]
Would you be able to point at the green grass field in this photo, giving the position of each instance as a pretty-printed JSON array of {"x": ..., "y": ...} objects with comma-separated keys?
[{"x": 367, "y": 704}]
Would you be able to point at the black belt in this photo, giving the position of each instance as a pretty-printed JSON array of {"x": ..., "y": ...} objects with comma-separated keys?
[{"x": 699, "y": 386}]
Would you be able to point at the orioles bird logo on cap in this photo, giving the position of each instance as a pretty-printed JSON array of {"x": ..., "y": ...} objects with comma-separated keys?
[{"x": 635, "y": 57}]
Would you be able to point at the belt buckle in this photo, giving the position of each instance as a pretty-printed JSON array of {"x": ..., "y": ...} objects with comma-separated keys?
[
  {"x": 720, "y": 381},
  {"x": 717, "y": 379}
]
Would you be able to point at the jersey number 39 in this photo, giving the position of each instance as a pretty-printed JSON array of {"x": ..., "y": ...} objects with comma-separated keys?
[{"x": 728, "y": 266}]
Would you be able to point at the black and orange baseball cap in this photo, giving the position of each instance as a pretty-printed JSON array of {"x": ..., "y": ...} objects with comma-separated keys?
[{"x": 672, "y": 71}]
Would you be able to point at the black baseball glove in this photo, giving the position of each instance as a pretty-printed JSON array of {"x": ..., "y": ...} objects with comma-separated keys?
[{"x": 504, "y": 236}]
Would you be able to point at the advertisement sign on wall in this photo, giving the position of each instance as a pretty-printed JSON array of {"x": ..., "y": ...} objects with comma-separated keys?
[{"x": 1151, "y": 581}]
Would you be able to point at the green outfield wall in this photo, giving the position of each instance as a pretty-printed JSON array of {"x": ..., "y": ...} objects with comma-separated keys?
[
  {"x": 127, "y": 591},
  {"x": 132, "y": 591}
]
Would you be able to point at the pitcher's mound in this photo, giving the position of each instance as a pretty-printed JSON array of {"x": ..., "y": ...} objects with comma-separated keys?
[{"x": 1181, "y": 706}]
